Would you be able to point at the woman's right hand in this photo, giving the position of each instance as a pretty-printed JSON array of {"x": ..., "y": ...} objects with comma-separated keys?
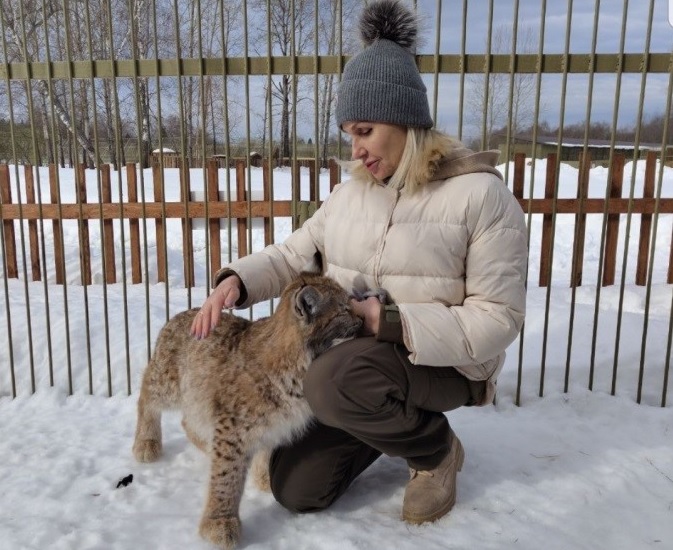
[{"x": 225, "y": 295}]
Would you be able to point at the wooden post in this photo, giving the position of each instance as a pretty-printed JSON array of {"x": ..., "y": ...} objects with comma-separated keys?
[
  {"x": 547, "y": 221},
  {"x": 296, "y": 193},
  {"x": 646, "y": 220},
  {"x": 214, "y": 223},
  {"x": 108, "y": 229},
  {"x": 296, "y": 180},
  {"x": 612, "y": 229},
  {"x": 159, "y": 224},
  {"x": 312, "y": 180},
  {"x": 241, "y": 223},
  {"x": 187, "y": 244},
  {"x": 10, "y": 242},
  {"x": 268, "y": 238},
  {"x": 85, "y": 246},
  {"x": 134, "y": 223},
  {"x": 519, "y": 175},
  {"x": 57, "y": 229},
  {"x": 333, "y": 174},
  {"x": 580, "y": 220},
  {"x": 32, "y": 224}
]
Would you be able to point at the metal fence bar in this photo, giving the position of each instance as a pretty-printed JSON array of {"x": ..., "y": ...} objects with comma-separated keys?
[
  {"x": 510, "y": 99},
  {"x": 559, "y": 141},
  {"x": 130, "y": 181},
  {"x": 204, "y": 167},
  {"x": 225, "y": 115},
  {"x": 462, "y": 69},
  {"x": 664, "y": 139},
  {"x": 529, "y": 206},
  {"x": 577, "y": 251},
  {"x": 6, "y": 231},
  {"x": 103, "y": 234},
  {"x": 574, "y": 63},
  {"x": 57, "y": 235},
  {"x": 600, "y": 276},
  {"x": 648, "y": 40},
  {"x": 488, "y": 59},
  {"x": 650, "y": 273},
  {"x": 620, "y": 308}
]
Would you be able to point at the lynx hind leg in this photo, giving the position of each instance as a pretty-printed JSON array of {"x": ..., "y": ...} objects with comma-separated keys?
[
  {"x": 259, "y": 470},
  {"x": 147, "y": 444},
  {"x": 159, "y": 390}
]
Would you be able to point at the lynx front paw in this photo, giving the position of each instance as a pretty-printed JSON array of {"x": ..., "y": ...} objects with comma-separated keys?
[
  {"x": 147, "y": 450},
  {"x": 223, "y": 532}
]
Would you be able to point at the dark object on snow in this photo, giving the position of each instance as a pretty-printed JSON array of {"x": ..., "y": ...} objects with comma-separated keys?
[{"x": 123, "y": 482}]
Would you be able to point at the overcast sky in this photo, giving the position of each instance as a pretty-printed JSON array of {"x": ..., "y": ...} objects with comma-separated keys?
[
  {"x": 556, "y": 20},
  {"x": 582, "y": 22}
]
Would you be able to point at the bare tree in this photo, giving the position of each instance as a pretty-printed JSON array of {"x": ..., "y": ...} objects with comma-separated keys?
[
  {"x": 328, "y": 30},
  {"x": 489, "y": 105},
  {"x": 334, "y": 25},
  {"x": 291, "y": 34},
  {"x": 22, "y": 19}
]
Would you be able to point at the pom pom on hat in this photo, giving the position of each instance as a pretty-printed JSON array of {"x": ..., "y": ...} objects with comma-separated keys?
[
  {"x": 382, "y": 83},
  {"x": 388, "y": 20}
]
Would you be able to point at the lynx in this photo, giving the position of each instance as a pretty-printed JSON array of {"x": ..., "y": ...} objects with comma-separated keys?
[{"x": 240, "y": 389}]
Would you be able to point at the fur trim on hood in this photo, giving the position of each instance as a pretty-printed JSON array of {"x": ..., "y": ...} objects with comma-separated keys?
[{"x": 461, "y": 160}]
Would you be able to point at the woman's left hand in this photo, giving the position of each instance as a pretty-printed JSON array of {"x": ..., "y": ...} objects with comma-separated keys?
[{"x": 370, "y": 310}]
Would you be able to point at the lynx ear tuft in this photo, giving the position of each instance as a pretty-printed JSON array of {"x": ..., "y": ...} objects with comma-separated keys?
[
  {"x": 306, "y": 302},
  {"x": 388, "y": 20}
]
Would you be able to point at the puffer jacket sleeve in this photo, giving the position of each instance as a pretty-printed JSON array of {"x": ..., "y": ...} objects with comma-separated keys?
[
  {"x": 265, "y": 273},
  {"x": 492, "y": 313}
]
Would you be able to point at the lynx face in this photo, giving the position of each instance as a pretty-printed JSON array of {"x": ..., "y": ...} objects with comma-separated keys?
[{"x": 324, "y": 312}]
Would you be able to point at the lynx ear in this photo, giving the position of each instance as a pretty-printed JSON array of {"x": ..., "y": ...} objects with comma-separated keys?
[{"x": 306, "y": 302}]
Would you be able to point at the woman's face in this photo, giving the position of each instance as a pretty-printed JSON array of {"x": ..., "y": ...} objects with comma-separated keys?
[{"x": 378, "y": 145}]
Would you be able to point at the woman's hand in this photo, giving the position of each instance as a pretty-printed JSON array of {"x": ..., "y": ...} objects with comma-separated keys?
[
  {"x": 370, "y": 311},
  {"x": 225, "y": 295}
]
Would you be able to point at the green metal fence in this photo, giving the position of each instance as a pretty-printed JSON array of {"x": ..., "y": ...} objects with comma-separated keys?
[{"x": 141, "y": 83}]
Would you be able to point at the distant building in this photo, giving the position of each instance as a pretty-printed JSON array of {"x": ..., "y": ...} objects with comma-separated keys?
[
  {"x": 571, "y": 148},
  {"x": 169, "y": 157}
]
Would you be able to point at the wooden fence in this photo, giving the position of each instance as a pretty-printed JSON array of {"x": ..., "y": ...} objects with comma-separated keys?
[
  {"x": 645, "y": 206},
  {"x": 242, "y": 210},
  {"x": 159, "y": 210}
]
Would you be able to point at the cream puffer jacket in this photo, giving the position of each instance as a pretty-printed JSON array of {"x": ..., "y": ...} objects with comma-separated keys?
[{"x": 452, "y": 256}]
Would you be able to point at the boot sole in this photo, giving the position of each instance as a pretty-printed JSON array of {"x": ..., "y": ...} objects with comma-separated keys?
[{"x": 434, "y": 516}]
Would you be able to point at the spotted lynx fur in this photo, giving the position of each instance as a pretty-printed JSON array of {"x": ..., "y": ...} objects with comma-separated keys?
[{"x": 240, "y": 389}]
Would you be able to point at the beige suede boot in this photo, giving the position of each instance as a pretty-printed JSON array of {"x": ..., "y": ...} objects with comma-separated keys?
[{"x": 432, "y": 493}]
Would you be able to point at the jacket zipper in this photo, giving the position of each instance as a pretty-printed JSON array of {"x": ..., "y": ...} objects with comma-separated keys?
[{"x": 379, "y": 251}]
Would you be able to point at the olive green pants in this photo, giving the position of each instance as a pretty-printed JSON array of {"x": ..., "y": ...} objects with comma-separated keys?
[{"x": 368, "y": 400}]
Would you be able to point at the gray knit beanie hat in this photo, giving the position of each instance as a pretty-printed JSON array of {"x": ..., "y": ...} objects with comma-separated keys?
[{"x": 382, "y": 83}]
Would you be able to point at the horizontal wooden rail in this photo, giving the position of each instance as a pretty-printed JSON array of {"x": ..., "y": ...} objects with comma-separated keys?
[
  {"x": 553, "y": 63},
  {"x": 262, "y": 209},
  {"x": 111, "y": 211},
  {"x": 596, "y": 206}
]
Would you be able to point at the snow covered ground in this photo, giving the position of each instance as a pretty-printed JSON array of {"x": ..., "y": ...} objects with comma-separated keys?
[{"x": 578, "y": 469}]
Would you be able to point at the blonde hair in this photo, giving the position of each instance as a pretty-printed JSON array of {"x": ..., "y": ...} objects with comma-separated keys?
[{"x": 422, "y": 152}]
